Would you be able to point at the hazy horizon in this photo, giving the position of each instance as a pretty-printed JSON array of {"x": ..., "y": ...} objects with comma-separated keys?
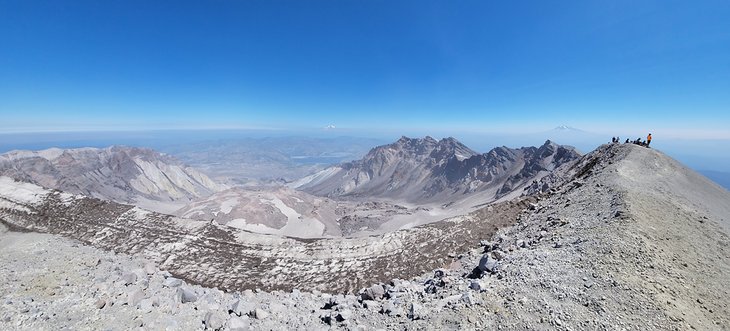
[{"x": 700, "y": 154}]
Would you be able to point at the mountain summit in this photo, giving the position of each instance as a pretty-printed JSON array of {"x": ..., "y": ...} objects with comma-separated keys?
[
  {"x": 566, "y": 128},
  {"x": 426, "y": 170}
]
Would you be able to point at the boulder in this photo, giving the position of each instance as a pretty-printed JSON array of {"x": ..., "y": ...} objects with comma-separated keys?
[
  {"x": 468, "y": 299},
  {"x": 239, "y": 324},
  {"x": 416, "y": 311},
  {"x": 344, "y": 315},
  {"x": 146, "y": 305},
  {"x": 375, "y": 292},
  {"x": 331, "y": 303},
  {"x": 172, "y": 282},
  {"x": 214, "y": 320},
  {"x": 149, "y": 268},
  {"x": 141, "y": 274},
  {"x": 134, "y": 296},
  {"x": 488, "y": 264},
  {"x": 391, "y": 309},
  {"x": 101, "y": 303},
  {"x": 372, "y": 306},
  {"x": 129, "y": 278},
  {"x": 185, "y": 295},
  {"x": 242, "y": 308},
  {"x": 260, "y": 314}
]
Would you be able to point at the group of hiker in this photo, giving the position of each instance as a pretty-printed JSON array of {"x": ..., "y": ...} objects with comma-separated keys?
[{"x": 638, "y": 141}]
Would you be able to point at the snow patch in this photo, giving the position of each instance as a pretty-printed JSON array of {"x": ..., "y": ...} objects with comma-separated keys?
[
  {"x": 227, "y": 205},
  {"x": 25, "y": 193},
  {"x": 6, "y": 204},
  {"x": 315, "y": 178},
  {"x": 296, "y": 225}
]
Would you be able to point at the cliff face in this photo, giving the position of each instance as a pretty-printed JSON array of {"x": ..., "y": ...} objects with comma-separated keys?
[
  {"x": 122, "y": 174},
  {"x": 426, "y": 170}
]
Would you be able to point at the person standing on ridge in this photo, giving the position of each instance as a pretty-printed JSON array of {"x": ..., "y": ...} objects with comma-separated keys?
[{"x": 648, "y": 140}]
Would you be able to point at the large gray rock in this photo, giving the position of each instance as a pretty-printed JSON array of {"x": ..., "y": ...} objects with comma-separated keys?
[
  {"x": 129, "y": 278},
  {"x": 214, "y": 320},
  {"x": 372, "y": 306},
  {"x": 172, "y": 282},
  {"x": 242, "y": 308},
  {"x": 149, "y": 268},
  {"x": 146, "y": 305},
  {"x": 239, "y": 324},
  {"x": 278, "y": 308},
  {"x": 134, "y": 296},
  {"x": 375, "y": 292},
  {"x": 259, "y": 313},
  {"x": 184, "y": 295},
  {"x": 468, "y": 299},
  {"x": 101, "y": 303},
  {"x": 416, "y": 311},
  {"x": 476, "y": 285},
  {"x": 344, "y": 315},
  {"x": 488, "y": 264},
  {"x": 141, "y": 274},
  {"x": 391, "y": 309},
  {"x": 499, "y": 255}
]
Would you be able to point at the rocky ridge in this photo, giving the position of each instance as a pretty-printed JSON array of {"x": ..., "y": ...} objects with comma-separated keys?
[
  {"x": 122, "y": 174},
  {"x": 632, "y": 241},
  {"x": 426, "y": 171}
]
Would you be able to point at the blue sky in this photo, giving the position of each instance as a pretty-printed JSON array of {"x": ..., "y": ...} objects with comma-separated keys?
[{"x": 447, "y": 66}]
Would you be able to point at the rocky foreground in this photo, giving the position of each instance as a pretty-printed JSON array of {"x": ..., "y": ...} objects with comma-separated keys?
[{"x": 627, "y": 239}]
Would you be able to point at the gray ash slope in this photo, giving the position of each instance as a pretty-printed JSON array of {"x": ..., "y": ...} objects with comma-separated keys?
[
  {"x": 426, "y": 170},
  {"x": 132, "y": 175},
  {"x": 626, "y": 239}
]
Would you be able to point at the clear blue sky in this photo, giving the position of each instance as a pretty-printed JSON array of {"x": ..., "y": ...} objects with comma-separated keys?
[{"x": 452, "y": 65}]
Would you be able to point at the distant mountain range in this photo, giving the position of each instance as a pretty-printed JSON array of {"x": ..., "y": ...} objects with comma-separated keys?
[
  {"x": 131, "y": 175},
  {"x": 426, "y": 170}
]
